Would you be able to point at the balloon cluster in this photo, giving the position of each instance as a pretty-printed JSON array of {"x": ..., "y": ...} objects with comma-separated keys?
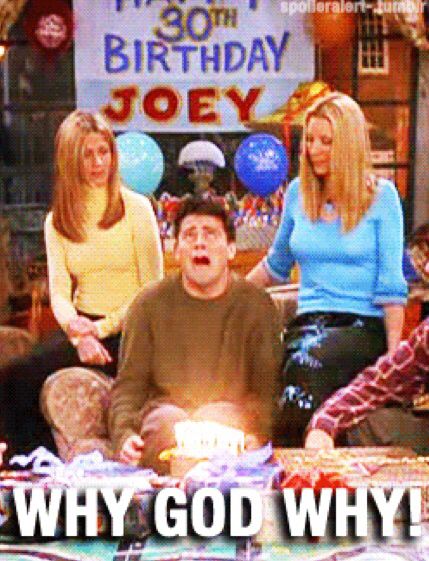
[{"x": 261, "y": 163}]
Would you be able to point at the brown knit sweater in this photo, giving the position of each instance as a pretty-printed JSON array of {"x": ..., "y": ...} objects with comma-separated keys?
[{"x": 187, "y": 351}]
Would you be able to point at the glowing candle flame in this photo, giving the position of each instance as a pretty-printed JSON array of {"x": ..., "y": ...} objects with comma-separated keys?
[{"x": 205, "y": 438}]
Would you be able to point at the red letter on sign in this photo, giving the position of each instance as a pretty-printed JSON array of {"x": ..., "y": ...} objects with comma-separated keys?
[
  {"x": 126, "y": 98},
  {"x": 161, "y": 104},
  {"x": 244, "y": 105},
  {"x": 201, "y": 104}
]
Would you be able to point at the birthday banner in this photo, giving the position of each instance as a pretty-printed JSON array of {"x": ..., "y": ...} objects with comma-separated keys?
[{"x": 189, "y": 65}]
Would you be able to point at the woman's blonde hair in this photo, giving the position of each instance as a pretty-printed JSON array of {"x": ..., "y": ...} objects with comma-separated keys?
[
  {"x": 70, "y": 190},
  {"x": 350, "y": 169}
]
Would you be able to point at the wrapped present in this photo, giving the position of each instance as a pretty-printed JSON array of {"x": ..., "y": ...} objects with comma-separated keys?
[
  {"x": 252, "y": 469},
  {"x": 392, "y": 473},
  {"x": 86, "y": 470},
  {"x": 352, "y": 468},
  {"x": 346, "y": 462},
  {"x": 316, "y": 479},
  {"x": 89, "y": 471}
]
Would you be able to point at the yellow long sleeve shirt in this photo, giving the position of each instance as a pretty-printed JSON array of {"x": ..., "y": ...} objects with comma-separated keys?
[{"x": 101, "y": 275}]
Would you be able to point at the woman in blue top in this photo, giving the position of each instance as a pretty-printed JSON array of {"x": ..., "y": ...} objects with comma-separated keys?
[{"x": 344, "y": 228}]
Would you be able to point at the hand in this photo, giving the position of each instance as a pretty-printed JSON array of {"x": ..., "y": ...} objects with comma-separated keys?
[
  {"x": 81, "y": 326},
  {"x": 3, "y": 447},
  {"x": 252, "y": 442},
  {"x": 132, "y": 450},
  {"x": 319, "y": 439},
  {"x": 92, "y": 351}
]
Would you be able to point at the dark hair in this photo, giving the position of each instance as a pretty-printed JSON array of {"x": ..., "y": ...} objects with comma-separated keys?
[
  {"x": 420, "y": 236},
  {"x": 204, "y": 206}
]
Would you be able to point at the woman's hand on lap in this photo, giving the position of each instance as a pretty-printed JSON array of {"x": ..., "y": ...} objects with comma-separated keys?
[
  {"x": 92, "y": 351},
  {"x": 81, "y": 326}
]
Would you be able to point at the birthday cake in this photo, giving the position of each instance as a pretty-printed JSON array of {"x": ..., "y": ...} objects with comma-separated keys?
[{"x": 197, "y": 441}]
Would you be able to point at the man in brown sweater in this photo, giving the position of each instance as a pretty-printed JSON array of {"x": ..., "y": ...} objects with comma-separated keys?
[{"x": 200, "y": 343}]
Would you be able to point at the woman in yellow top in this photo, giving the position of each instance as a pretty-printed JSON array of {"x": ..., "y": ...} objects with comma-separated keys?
[
  {"x": 102, "y": 245},
  {"x": 102, "y": 239}
]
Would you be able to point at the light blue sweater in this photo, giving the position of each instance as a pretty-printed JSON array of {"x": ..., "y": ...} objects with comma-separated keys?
[{"x": 355, "y": 272}]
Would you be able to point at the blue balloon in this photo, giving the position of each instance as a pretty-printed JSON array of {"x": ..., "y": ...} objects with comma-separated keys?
[
  {"x": 261, "y": 163},
  {"x": 141, "y": 162}
]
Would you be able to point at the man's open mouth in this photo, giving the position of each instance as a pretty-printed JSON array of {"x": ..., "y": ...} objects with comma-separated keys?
[{"x": 201, "y": 260}]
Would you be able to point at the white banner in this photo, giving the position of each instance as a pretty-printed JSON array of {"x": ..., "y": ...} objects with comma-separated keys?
[{"x": 188, "y": 65}]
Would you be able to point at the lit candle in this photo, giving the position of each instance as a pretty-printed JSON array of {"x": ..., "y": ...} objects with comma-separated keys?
[{"x": 204, "y": 438}]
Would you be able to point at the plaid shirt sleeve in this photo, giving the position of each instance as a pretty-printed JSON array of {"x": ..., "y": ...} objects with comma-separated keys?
[{"x": 394, "y": 378}]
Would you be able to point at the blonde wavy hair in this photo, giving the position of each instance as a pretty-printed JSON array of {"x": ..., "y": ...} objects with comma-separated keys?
[
  {"x": 70, "y": 190},
  {"x": 350, "y": 176}
]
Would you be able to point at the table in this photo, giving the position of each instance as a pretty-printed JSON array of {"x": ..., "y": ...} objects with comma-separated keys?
[{"x": 154, "y": 549}]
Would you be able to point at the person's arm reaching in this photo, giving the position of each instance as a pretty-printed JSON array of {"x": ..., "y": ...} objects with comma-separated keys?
[
  {"x": 259, "y": 276},
  {"x": 396, "y": 377},
  {"x": 319, "y": 439},
  {"x": 131, "y": 450},
  {"x": 276, "y": 266}
]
